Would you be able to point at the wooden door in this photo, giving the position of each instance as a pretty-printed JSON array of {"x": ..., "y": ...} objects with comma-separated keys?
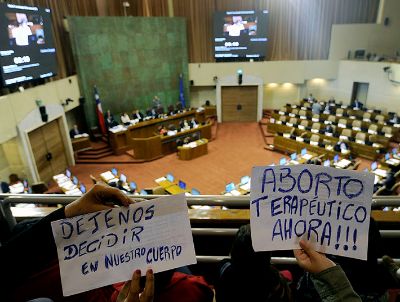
[
  {"x": 239, "y": 103},
  {"x": 48, "y": 150}
]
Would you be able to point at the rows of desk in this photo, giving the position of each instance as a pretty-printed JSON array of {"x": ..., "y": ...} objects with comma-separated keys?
[{"x": 121, "y": 141}]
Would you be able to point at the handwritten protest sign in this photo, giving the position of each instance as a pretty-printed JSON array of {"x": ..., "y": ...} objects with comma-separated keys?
[
  {"x": 327, "y": 206},
  {"x": 105, "y": 247}
]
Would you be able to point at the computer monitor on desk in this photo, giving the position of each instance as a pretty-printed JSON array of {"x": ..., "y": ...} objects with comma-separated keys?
[
  {"x": 143, "y": 192},
  {"x": 374, "y": 165},
  {"x": 230, "y": 187},
  {"x": 182, "y": 185},
  {"x": 122, "y": 178},
  {"x": 293, "y": 156},
  {"x": 387, "y": 156},
  {"x": 132, "y": 185},
  {"x": 244, "y": 180},
  {"x": 195, "y": 192},
  {"x": 336, "y": 158},
  {"x": 327, "y": 163},
  {"x": 282, "y": 161},
  {"x": 170, "y": 177},
  {"x": 303, "y": 151},
  {"x": 82, "y": 188},
  {"x": 114, "y": 171},
  {"x": 68, "y": 173},
  {"x": 75, "y": 180},
  {"x": 394, "y": 151}
]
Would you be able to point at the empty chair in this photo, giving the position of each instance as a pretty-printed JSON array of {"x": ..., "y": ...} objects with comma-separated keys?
[
  {"x": 39, "y": 188},
  {"x": 373, "y": 129},
  {"x": 387, "y": 131},
  {"x": 380, "y": 119},
  {"x": 367, "y": 116},
  {"x": 315, "y": 127},
  {"x": 295, "y": 111},
  {"x": 303, "y": 114},
  {"x": 342, "y": 123},
  {"x": 282, "y": 118},
  {"x": 346, "y": 133},
  {"x": 292, "y": 121},
  {"x": 314, "y": 140},
  {"x": 339, "y": 112},
  {"x": 360, "y": 138},
  {"x": 356, "y": 125},
  {"x": 330, "y": 120},
  {"x": 315, "y": 118},
  {"x": 304, "y": 124}
]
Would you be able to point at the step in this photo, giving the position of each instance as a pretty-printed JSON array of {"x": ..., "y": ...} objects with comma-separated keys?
[
  {"x": 95, "y": 152},
  {"x": 95, "y": 156}
]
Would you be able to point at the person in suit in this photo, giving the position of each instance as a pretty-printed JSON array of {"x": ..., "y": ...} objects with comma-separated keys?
[
  {"x": 171, "y": 110},
  {"x": 125, "y": 119},
  {"x": 151, "y": 112},
  {"x": 74, "y": 131},
  {"x": 357, "y": 104},
  {"x": 110, "y": 121},
  {"x": 328, "y": 129},
  {"x": 179, "y": 106},
  {"x": 137, "y": 115},
  {"x": 327, "y": 109},
  {"x": 316, "y": 108},
  {"x": 394, "y": 119},
  {"x": 341, "y": 146},
  {"x": 156, "y": 102},
  {"x": 193, "y": 123}
]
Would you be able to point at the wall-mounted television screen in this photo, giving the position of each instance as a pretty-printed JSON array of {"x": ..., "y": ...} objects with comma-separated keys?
[
  {"x": 240, "y": 35},
  {"x": 26, "y": 44}
]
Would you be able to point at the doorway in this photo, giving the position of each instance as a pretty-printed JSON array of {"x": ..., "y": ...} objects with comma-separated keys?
[
  {"x": 360, "y": 92},
  {"x": 48, "y": 150},
  {"x": 239, "y": 103}
]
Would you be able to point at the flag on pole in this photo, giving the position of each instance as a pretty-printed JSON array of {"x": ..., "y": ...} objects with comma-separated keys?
[
  {"x": 99, "y": 111},
  {"x": 181, "y": 91}
]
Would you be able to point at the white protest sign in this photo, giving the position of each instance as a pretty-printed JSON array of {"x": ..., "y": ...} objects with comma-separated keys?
[
  {"x": 328, "y": 206},
  {"x": 103, "y": 248}
]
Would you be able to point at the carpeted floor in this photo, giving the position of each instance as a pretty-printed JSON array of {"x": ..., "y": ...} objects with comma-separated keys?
[{"x": 237, "y": 148}]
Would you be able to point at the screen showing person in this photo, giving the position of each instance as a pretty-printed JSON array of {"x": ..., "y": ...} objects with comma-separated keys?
[
  {"x": 240, "y": 34},
  {"x": 27, "y": 49}
]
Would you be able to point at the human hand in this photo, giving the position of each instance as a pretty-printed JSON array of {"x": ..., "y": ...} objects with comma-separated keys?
[
  {"x": 99, "y": 198},
  {"x": 131, "y": 290},
  {"x": 310, "y": 260}
]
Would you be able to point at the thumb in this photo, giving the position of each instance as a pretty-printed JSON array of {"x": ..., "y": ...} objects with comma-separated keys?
[{"x": 306, "y": 246}]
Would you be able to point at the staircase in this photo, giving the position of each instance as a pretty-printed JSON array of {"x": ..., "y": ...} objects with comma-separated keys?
[{"x": 92, "y": 156}]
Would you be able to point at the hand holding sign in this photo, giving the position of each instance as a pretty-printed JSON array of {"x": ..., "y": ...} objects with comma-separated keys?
[
  {"x": 310, "y": 260},
  {"x": 327, "y": 206},
  {"x": 99, "y": 198},
  {"x": 131, "y": 291}
]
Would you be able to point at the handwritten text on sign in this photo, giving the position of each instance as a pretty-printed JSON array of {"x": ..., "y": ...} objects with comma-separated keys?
[
  {"x": 327, "y": 206},
  {"x": 105, "y": 247}
]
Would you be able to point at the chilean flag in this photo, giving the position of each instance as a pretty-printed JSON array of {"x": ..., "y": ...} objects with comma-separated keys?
[{"x": 99, "y": 111}]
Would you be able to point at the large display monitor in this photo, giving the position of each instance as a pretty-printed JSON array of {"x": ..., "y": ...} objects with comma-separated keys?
[
  {"x": 240, "y": 35},
  {"x": 27, "y": 49}
]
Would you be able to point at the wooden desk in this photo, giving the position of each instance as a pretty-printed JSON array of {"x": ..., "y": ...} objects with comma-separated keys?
[
  {"x": 120, "y": 142},
  {"x": 175, "y": 189},
  {"x": 210, "y": 111},
  {"x": 81, "y": 144},
  {"x": 169, "y": 142},
  {"x": 147, "y": 149},
  {"x": 188, "y": 153}
]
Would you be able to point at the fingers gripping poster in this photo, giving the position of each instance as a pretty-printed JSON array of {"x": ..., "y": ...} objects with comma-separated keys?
[{"x": 327, "y": 206}]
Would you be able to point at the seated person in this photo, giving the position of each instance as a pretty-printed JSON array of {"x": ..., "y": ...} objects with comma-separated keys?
[
  {"x": 151, "y": 112},
  {"x": 195, "y": 137},
  {"x": 137, "y": 115},
  {"x": 341, "y": 146},
  {"x": 328, "y": 129},
  {"x": 394, "y": 119},
  {"x": 172, "y": 130},
  {"x": 179, "y": 142},
  {"x": 327, "y": 110},
  {"x": 171, "y": 110},
  {"x": 4, "y": 187},
  {"x": 14, "y": 179},
  {"x": 331, "y": 101},
  {"x": 110, "y": 121},
  {"x": 160, "y": 110},
  {"x": 162, "y": 130},
  {"x": 125, "y": 119},
  {"x": 193, "y": 123},
  {"x": 183, "y": 124},
  {"x": 207, "y": 103},
  {"x": 187, "y": 140},
  {"x": 74, "y": 131},
  {"x": 179, "y": 106},
  {"x": 156, "y": 102}
]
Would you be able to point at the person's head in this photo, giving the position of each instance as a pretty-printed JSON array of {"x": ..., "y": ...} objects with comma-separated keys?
[
  {"x": 208, "y": 103},
  {"x": 13, "y": 178},
  {"x": 21, "y": 18},
  {"x": 108, "y": 113},
  {"x": 76, "y": 127}
]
